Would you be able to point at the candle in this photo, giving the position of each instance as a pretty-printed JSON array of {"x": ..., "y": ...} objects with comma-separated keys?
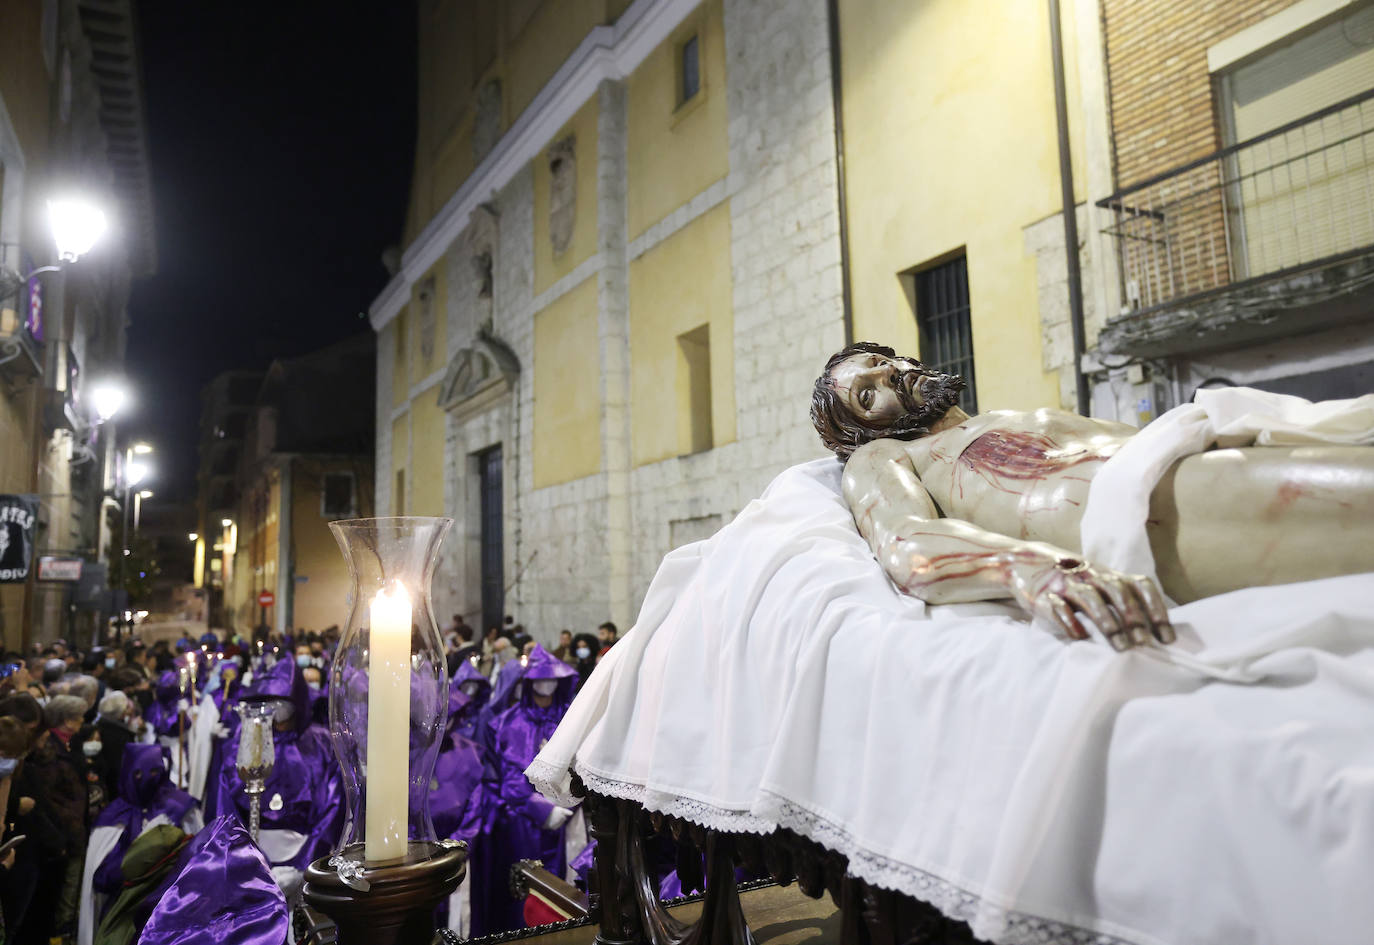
[{"x": 388, "y": 726}]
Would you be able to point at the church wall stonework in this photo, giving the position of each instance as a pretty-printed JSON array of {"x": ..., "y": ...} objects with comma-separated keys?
[{"x": 581, "y": 552}]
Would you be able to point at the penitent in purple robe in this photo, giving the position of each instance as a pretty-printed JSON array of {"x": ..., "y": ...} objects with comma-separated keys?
[
  {"x": 222, "y": 894},
  {"x": 518, "y": 734},
  {"x": 146, "y": 797},
  {"x": 303, "y": 805},
  {"x": 468, "y": 694},
  {"x": 162, "y": 714},
  {"x": 504, "y": 693}
]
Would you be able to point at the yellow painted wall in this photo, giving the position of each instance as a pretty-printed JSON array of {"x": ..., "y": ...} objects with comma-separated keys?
[
  {"x": 949, "y": 127},
  {"x": 421, "y": 366},
  {"x": 400, "y": 461},
  {"x": 567, "y": 388},
  {"x": 463, "y": 44},
  {"x": 549, "y": 268},
  {"x": 539, "y": 45},
  {"x": 320, "y": 600},
  {"x": 678, "y": 285},
  {"x": 675, "y": 152},
  {"x": 400, "y": 367},
  {"x": 426, "y": 490}
]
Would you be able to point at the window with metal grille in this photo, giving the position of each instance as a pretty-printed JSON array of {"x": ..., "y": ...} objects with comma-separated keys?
[{"x": 942, "y": 319}]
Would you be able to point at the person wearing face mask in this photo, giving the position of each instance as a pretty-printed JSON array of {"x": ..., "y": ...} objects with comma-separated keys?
[
  {"x": 585, "y": 649},
  {"x": 145, "y": 798},
  {"x": 303, "y": 804},
  {"x": 533, "y": 828},
  {"x": 115, "y": 729}
]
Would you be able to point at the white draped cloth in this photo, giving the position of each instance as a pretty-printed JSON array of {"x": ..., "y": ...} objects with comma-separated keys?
[{"x": 1220, "y": 791}]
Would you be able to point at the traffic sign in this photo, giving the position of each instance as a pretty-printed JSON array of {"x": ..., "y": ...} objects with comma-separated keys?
[{"x": 266, "y": 598}]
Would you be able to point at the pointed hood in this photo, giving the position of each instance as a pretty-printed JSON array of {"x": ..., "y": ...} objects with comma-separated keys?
[
  {"x": 541, "y": 664},
  {"x": 168, "y": 687},
  {"x": 283, "y": 681},
  {"x": 458, "y": 700},
  {"x": 141, "y": 774}
]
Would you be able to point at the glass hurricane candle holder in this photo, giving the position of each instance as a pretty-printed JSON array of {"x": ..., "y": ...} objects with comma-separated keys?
[
  {"x": 388, "y": 690},
  {"x": 256, "y": 756}
]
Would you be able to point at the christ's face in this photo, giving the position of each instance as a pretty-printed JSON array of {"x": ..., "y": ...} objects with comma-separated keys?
[{"x": 879, "y": 389}]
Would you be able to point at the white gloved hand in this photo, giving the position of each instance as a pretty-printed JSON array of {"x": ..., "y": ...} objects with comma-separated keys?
[
  {"x": 221, "y": 731},
  {"x": 289, "y": 879},
  {"x": 183, "y": 705},
  {"x": 557, "y": 818}
]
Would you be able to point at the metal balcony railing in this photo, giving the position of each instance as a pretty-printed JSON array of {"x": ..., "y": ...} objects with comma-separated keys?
[{"x": 1290, "y": 199}]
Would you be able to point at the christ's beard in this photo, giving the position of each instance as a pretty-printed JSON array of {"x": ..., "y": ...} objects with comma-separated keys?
[{"x": 940, "y": 393}]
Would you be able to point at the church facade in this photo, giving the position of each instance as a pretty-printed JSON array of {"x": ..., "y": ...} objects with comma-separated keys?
[{"x": 636, "y": 230}]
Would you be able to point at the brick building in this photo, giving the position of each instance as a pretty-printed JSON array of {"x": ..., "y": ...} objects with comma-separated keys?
[{"x": 1243, "y": 217}]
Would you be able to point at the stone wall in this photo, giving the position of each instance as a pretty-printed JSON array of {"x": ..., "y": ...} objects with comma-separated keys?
[{"x": 581, "y": 552}]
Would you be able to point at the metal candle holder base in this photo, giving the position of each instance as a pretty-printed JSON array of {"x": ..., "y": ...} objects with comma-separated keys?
[
  {"x": 254, "y": 788},
  {"x": 385, "y": 905}
]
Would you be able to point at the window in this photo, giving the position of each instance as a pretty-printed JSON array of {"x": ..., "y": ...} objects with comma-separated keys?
[
  {"x": 694, "y": 390},
  {"x": 1302, "y": 194},
  {"x": 942, "y": 319},
  {"x": 689, "y": 69},
  {"x": 398, "y": 498},
  {"x": 337, "y": 496}
]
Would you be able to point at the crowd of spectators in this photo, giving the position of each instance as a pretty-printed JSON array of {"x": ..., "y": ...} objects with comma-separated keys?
[{"x": 67, "y": 719}]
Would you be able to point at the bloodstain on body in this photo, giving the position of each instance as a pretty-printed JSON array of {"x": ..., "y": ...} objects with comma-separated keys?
[
  {"x": 1288, "y": 493},
  {"x": 1023, "y": 456}
]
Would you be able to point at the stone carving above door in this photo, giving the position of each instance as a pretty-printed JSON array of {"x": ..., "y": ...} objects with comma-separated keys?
[{"x": 479, "y": 375}]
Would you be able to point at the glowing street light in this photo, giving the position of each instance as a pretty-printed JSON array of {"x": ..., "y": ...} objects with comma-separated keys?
[
  {"x": 142, "y": 449},
  {"x": 107, "y": 399},
  {"x": 76, "y": 225},
  {"x": 135, "y": 472},
  {"x": 226, "y": 522},
  {"x": 146, "y": 494}
]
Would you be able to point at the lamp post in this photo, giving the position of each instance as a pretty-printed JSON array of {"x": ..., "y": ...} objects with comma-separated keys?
[
  {"x": 135, "y": 471},
  {"x": 76, "y": 224}
]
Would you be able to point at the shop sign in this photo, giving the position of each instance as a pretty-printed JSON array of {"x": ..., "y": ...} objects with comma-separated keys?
[
  {"x": 18, "y": 517},
  {"x": 53, "y": 568}
]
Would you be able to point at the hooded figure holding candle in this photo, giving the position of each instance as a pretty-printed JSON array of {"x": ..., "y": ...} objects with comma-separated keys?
[
  {"x": 303, "y": 804},
  {"x": 532, "y": 827}
]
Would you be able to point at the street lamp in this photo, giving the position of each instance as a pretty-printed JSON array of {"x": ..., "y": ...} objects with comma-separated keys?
[
  {"x": 134, "y": 473},
  {"x": 107, "y": 398},
  {"x": 76, "y": 225}
]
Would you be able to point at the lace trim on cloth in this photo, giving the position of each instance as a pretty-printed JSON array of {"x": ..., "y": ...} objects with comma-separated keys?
[{"x": 989, "y": 922}]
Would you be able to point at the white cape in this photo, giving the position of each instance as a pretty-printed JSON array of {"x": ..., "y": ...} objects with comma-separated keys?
[{"x": 1037, "y": 789}]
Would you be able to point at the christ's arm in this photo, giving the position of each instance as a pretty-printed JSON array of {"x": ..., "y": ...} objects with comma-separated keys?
[{"x": 946, "y": 561}]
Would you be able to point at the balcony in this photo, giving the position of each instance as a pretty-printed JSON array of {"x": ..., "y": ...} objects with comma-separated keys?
[{"x": 1266, "y": 239}]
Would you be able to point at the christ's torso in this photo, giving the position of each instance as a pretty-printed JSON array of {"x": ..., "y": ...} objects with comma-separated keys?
[{"x": 1021, "y": 474}]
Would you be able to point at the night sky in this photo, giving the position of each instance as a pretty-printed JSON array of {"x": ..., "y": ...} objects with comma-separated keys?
[{"x": 281, "y": 138}]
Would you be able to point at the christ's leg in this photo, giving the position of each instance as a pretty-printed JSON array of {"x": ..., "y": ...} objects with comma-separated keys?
[{"x": 1263, "y": 515}]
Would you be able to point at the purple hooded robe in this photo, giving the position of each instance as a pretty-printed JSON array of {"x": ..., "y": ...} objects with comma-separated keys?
[
  {"x": 518, "y": 735},
  {"x": 484, "y": 729},
  {"x": 222, "y": 894},
  {"x": 145, "y": 796},
  {"x": 162, "y": 714},
  {"x": 303, "y": 806}
]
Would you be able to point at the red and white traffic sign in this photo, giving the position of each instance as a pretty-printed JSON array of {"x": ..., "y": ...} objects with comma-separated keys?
[{"x": 266, "y": 598}]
